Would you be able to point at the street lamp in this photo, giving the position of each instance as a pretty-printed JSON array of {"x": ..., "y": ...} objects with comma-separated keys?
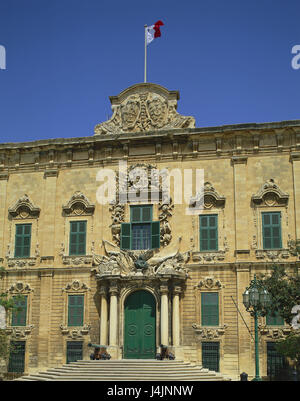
[{"x": 256, "y": 299}]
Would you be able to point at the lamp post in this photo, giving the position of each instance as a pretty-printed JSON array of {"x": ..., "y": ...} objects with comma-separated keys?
[{"x": 256, "y": 299}]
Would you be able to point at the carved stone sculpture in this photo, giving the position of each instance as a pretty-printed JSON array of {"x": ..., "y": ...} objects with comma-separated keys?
[{"x": 144, "y": 107}]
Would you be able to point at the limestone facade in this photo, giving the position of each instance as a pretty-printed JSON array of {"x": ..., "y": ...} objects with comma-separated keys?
[{"x": 249, "y": 169}]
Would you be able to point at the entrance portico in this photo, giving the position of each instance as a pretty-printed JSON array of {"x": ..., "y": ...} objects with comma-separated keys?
[{"x": 135, "y": 315}]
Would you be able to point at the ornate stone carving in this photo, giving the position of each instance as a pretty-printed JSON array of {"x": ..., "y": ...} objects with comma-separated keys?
[
  {"x": 77, "y": 260},
  {"x": 207, "y": 199},
  {"x": 76, "y": 332},
  {"x": 78, "y": 205},
  {"x": 208, "y": 332},
  {"x": 118, "y": 262},
  {"x": 209, "y": 257},
  {"x": 273, "y": 255},
  {"x": 20, "y": 288},
  {"x": 24, "y": 209},
  {"x": 76, "y": 286},
  {"x": 144, "y": 107},
  {"x": 18, "y": 262},
  {"x": 19, "y": 333},
  {"x": 143, "y": 181},
  {"x": 274, "y": 332},
  {"x": 209, "y": 282},
  {"x": 270, "y": 195}
]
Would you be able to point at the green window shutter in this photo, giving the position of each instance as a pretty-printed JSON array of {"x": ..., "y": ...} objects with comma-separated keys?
[
  {"x": 77, "y": 238},
  {"x": 209, "y": 232},
  {"x": 22, "y": 240},
  {"x": 155, "y": 234},
  {"x": 75, "y": 310},
  {"x": 210, "y": 309},
  {"x": 271, "y": 228},
  {"x": 125, "y": 236},
  {"x": 19, "y": 314},
  {"x": 274, "y": 320},
  {"x": 141, "y": 214}
]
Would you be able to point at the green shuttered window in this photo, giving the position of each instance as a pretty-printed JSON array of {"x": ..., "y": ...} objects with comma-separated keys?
[
  {"x": 209, "y": 232},
  {"x": 22, "y": 240},
  {"x": 20, "y": 312},
  {"x": 141, "y": 232},
  {"x": 210, "y": 309},
  {"x": 75, "y": 310},
  {"x": 271, "y": 227},
  {"x": 77, "y": 238},
  {"x": 274, "y": 319}
]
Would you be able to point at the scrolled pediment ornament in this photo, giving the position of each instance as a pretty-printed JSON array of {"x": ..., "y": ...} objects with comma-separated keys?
[
  {"x": 144, "y": 107},
  {"x": 76, "y": 286},
  {"x": 24, "y": 209},
  {"x": 78, "y": 205},
  {"x": 207, "y": 199},
  {"x": 270, "y": 195}
]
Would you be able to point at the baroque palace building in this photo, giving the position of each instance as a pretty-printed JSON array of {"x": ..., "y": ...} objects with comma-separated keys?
[{"x": 140, "y": 272}]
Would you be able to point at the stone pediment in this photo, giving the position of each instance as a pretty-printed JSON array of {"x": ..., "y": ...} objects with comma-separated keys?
[{"x": 144, "y": 107}]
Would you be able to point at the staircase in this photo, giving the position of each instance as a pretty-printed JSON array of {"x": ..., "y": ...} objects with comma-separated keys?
[{"x": 127, "y": 370}]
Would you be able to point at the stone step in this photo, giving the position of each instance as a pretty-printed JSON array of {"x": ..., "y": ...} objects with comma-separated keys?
[{"x": 126, "y": 370}]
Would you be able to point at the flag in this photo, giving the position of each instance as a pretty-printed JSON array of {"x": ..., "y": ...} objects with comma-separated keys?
[{"x": 153, "y": 31}]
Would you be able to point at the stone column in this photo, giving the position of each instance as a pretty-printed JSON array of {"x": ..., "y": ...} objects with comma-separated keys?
[
  {"x": 164, "y": 314},
  {"x": 113, "y": 315},
  {"x": 241, "y": 207},
  {"x": 295, "y": 158},
  {"x": 103, "y": 316},
  {"x": 47, "y": 223},
  {"x": 245, "y": 360},
  {"x": 176, "y": 316},
  {"x": 3, "y": 213},
  {"x": 44, "y": 325}
]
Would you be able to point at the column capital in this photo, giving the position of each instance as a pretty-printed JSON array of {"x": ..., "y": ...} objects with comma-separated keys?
[
  {"x": 102, "y": 290},
  {"x": 164, "y": 289},
  {"x": 294, "y": 156},
  {"x": 113, "y": 290},
  {"x": 177, "y": 290},
  {"x": 239, "y": 160}
]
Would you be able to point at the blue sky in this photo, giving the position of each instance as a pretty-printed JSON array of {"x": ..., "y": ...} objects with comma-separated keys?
[{"x": 230, "y": 60}]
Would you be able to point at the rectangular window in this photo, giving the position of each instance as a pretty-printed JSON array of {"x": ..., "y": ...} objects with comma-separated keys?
[
  {"x": 274, "y": 320},
  {"x": 20, "y": 312},
  {"x": 271, "y": 227},
  {"x": 22, "y": 240},
  {"x": 75, "y": 310},
  {"x": 211, "y": 355},
  {"x": 17, "y": 357},
  {"x": 276, "y": 363},
  {"x": 209, "y": 232},
  {"x": 209, "y": 309},
  {"x": 77, "y": 238},
  {"x": 141, "y": 232},
  {"x": 74, "y": 351}
]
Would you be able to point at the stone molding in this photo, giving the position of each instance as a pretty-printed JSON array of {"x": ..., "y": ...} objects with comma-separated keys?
[
  {"x": 78, "y": 205},
  {"x": 24, "y": 209},
  {"x": 270, "y": 195}
]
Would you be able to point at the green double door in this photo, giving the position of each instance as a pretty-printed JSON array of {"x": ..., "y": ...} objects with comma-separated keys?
[{"x": 139, "y": 330}]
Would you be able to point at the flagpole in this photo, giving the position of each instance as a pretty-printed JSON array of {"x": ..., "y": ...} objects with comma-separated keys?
[{"x": 145, "y": 68}]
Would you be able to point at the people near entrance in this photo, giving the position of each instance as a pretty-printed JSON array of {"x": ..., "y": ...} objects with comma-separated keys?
[
  {"x": 99, "y": 353},
  {"x": 165, "y": 353}
]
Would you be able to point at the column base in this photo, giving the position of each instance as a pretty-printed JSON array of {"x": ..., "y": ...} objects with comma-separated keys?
[{"x": 114, "y": 351}]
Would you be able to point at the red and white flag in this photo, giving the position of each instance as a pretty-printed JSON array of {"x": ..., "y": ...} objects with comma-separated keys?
[{"x": 153, "y": 31}]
